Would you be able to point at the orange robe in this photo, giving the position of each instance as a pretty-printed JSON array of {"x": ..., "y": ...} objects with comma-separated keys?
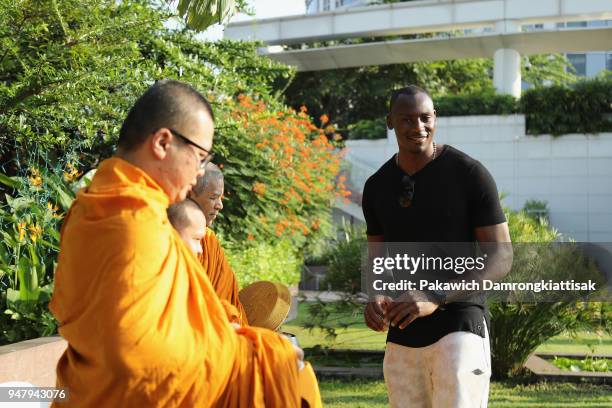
[
  {"x": 143, "y": 323},
  {"x": 222, "y": 277},
  {"x": 224, "y": 282}
]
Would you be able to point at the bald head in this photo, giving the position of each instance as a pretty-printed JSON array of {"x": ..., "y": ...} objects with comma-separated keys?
[
  {"x": 212, "y": 174},
  {"x": 188, "y": 220},
  {"x": 166, "y": 104},
  {"x": 208, "y": 192}
]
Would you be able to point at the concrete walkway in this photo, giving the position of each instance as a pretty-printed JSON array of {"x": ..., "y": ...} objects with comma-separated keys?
[{"x": 328, "y": 296}]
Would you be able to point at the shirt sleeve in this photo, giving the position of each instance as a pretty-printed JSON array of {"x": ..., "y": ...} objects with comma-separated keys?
[
  {"x": 485, "y": 208},
  {"x": 373, "y": 225}
]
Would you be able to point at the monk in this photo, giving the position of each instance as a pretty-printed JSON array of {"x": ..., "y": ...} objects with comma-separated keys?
[
  {"x": 208, "y": 194},
  {"x": 189, "y": 222},
  {"x": 143, "y": 324}
]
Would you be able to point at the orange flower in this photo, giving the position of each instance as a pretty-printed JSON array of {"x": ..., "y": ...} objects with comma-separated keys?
[
  {"x": 35, "y": 232},
  {"x": 250, "y": 237},
  {"x": 35, "y": 179},
  {"x": 259, "y": 188},
  {"x": 324, "y": 119},
  {"x": 72, "y": 173},
  {"x": 303, "y": 109},
  {"x": 22, "y": 230}
]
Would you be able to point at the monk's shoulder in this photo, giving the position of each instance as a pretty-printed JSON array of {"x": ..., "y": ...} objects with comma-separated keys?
[{"x": 210, "y": 239}]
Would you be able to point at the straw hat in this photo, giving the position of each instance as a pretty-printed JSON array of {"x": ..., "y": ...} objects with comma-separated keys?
[{"x": 266, "y": 304}]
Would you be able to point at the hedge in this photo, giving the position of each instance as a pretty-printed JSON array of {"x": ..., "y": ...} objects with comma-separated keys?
[
  {"x": 584, "y": 107},
  {"x": 557, "y": 110}
]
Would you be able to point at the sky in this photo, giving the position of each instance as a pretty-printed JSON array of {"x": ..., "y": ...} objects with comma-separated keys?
[{"x": 263, "y": 9}]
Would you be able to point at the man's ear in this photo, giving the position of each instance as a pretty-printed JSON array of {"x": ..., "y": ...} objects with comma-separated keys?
[
  {"x": 160, "y": 143},
  {"x": 389, "y": 124}
]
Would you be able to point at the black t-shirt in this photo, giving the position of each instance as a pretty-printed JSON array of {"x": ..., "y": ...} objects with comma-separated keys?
[{"x": 453, "y": 195}]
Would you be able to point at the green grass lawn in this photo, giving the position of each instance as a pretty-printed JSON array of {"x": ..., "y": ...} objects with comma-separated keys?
[
  {"x": 373, "y": 394},
  {"x": 358, "y": 336},
  {"x": 339, "y": 394}
]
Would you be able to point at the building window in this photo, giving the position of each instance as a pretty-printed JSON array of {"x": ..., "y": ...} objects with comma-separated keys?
[
  {"x": 326, "y": 5},
  {"x": 609, "y": 62},
  {"x": 579, "y": 63},
  {"x": 576, "y": 24}
]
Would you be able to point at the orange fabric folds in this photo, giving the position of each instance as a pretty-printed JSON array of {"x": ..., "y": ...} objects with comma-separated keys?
[
  {"x": 143, "y": 323},
  {"x": 224, "y": 282},
  {"x": 222, "y": 277}
]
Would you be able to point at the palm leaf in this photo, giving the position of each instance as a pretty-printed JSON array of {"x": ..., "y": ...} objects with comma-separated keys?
[{"x": 201, "y": 14}]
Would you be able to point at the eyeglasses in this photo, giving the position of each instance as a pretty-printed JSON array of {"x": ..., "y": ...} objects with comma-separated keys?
[
  {"x": 407, "y": 193},
  {"x": 204, "y": 161}
]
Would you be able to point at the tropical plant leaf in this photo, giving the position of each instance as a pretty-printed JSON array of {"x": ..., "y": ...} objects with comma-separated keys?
[
  {"x": 200, "y": 14},
  {"x": 11, "y": 182}
]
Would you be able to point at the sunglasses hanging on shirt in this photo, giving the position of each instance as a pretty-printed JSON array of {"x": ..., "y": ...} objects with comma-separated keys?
[{"x": 407, "y": 193}]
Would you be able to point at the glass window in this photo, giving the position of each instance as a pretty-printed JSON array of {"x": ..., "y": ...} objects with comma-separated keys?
[
  {"x": 609, "y": 62},
  {"x": 326, "y": 5},
  {"x": 579, "y": 63}
]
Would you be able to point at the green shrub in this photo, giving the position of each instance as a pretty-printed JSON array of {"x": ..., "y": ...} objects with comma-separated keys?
[
  {"x": 586, "y": 107},
  {"x": 368, "y": 129},
  {"x": 518, "y": 327},
  {"x": 587, "y": 364},
  {"x": 73, "y": 68},
  {"x": 345, "y": 259},
  {"x": 263, "y": 261},
  {"x": 29, "y": 226},
  {"x": 485, "y": 103},
  {"x": 582, "y": 107},
  {"x": 537, "y": 209}
]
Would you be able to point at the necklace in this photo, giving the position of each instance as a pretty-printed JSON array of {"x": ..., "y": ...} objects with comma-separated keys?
[{"x": 433, "y": 156}]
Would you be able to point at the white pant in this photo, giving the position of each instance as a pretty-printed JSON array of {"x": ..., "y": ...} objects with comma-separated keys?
[{"x": 453, "y": 372}]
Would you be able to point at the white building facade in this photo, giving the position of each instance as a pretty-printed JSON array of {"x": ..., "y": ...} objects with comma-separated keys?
[{"x": 587, "y": 64}]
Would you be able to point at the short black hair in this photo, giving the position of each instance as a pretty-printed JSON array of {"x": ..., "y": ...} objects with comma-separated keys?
[
  {"x": 167, "y": 103},
  {"x": 211, "y": 172},
  {"x": 410, "y": 90}
]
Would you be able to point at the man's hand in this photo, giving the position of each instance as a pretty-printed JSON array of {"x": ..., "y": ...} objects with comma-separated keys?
[
  {"x": 375, "y": 311},
  {"x": 405, "y": 309},
  {"x": 300, "y": 356}
]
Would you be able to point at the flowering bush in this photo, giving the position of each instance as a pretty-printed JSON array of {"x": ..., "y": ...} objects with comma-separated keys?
[
  {"x": 29, "y": 225},
  {"x": 280, "y": 174},
  {"x": 81, "y": 66}
]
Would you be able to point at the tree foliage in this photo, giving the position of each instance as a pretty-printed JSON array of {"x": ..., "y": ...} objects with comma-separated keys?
[
  {"x": 351, "y": 95},
  {"x": 70, "y": 70}
]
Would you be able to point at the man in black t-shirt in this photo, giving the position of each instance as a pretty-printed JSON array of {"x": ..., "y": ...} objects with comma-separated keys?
[{"x": 437, "y": 347}]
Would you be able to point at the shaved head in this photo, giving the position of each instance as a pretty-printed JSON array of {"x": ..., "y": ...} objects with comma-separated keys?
[
  {"x": 409, "y": 91},
  {"x": 166, "y": 104},
  {"x": 188, "y": 220},
  {"x": 180, "y": 214},
  {"x": 212, "y": 174},
  {"x": 208, "y": 192}
]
